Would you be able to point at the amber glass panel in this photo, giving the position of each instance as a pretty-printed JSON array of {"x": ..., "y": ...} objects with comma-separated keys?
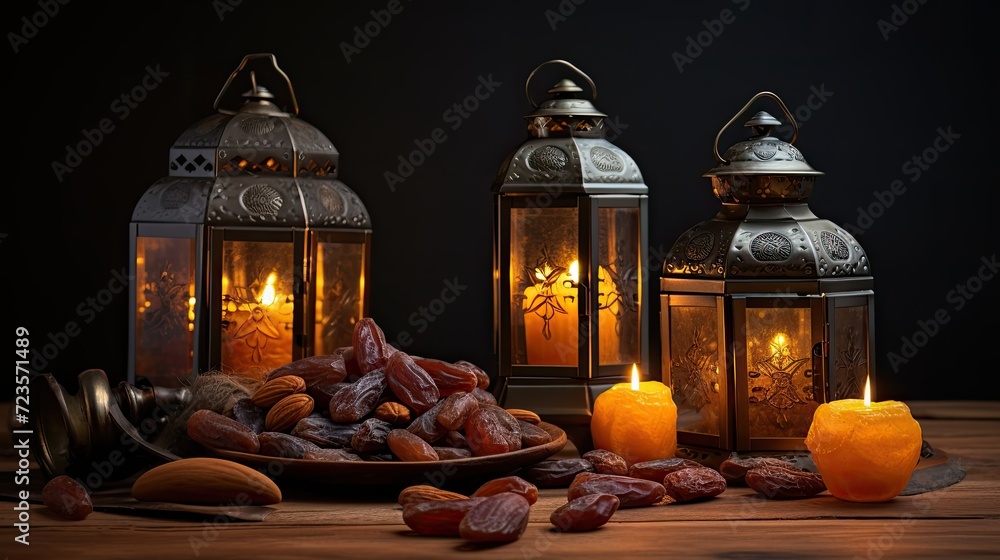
[
  {"x": 544, "y": 271},
  {"x": 694, "y": 368},
  {"x": 340, "y": 288},
  {"x": 618, "y": 284},
  {"x": 851, "y": 343},
  {"x": 165, "y": 309},
  {"x": 257, "y": 306},
  {"x": 779, "y": 366}
]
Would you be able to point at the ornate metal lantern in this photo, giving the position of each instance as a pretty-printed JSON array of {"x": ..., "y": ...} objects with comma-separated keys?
[
  {"x": 766, "y": 310},
  {"x": 570, "y": 247},
  {"x": 251, "y": 253}
]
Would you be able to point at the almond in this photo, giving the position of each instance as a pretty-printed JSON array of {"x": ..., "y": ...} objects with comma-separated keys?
[
  {"x": 205, "y": 480},
  {"x": 278, "y": 388},
  {"x": 288, "y": 411},
  {"x": 393, "y": 413},
  {"x": 526, "y": 415},
  {"x": 425, "y": 492}
]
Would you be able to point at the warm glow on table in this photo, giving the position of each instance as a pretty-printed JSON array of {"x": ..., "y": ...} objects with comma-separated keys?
[
  {"x": 636, "y": 420},
  {"x": 866, "y": 451}
]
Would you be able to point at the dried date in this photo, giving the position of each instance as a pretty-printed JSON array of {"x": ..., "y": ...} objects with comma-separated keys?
[
  {"x": 585, "y": 513},
  {"x": 438, "y": 517},
  {"x": 514, "y": 484},
  {"x": 336, "y": 455},
  {"x": 371, "y": 436},
  {"x": 67, "y": 498},
  {"x": 448, "y": 377},
  {"x": 350, "y": 364},
  {"x": 482, "y": 378},
  {"x": 410, "y": 382},
  {"x": 781, "y": 483},
  {"x": 491, "y": 430},
  {"x": 484, "y": 396},
  {"x": 555, "y": 473},
  {"x": 322, "y": 392},
  {"x": 325, "y": 433},
  {"x": 248, "y": 414},
  {"x": 409, "y": 447},
  {"x": 608, "y": 462},
  {"x": 499, "y": 518},
  {"x": 217, "y": 431},
  {"x": 358, "y": 400},
  {"x": 456, "y": 409},
  {"x": 532, "y": 435},
  {"x": 631, "y": 492},
  {"x": 426, "y": 426},
  {"x": 656, "y": 469},
  {"x": 328, "y": 368},
  {"x": 280, "y": 444},
  {"x": 696, "y": 483},
  {"x": 446, "y": 453},
  {"x": 735, "y": 468},
  {"x": 371, "y": 351},
  {"x": 455, "y": 438}
]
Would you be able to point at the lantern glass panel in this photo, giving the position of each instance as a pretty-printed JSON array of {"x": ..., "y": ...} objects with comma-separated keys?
[
  {"x": 165, "y": 309},
  {"x": 618, "y": 285},
  {"x": 544, "y": 268},
  {"x": 851, "y": 342},
  {"x": 257, "y": 305},
  {"x": 694, "y": 368},
  {"x": 779, "y": 345},
  {"x": 340, "y": 288}
]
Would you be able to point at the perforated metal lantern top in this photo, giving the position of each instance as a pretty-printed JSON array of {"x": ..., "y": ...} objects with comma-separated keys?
[
  {"x": 765, "y": 228},
  {"x": 255, "y": 166}
]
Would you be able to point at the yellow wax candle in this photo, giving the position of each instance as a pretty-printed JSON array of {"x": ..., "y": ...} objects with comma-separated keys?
[
  {"x": 637, "y": 421},
  {"x": 865, "y": 451}
]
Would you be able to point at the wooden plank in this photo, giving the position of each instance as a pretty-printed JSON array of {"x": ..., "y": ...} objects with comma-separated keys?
[{"x": 876, "y": 538}]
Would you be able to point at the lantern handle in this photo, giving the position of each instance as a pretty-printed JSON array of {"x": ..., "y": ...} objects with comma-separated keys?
[
  {"x": 784, "y": 109},
  {"x": 527, "y": 83},
  {"x": 248, "y": 58}
]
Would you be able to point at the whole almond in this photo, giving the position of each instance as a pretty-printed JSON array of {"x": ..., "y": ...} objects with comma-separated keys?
[
  {"x": 526, "y": 415},
  {"x": 393, "y": 412},
  {"x": 288, "y": 411},
  {"x": 426, "y": 492},
  {"x": 278, "y": 388}
]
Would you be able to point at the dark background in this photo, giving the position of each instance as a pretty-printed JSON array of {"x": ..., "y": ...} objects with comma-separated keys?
[{"x": 886, "y": 100}]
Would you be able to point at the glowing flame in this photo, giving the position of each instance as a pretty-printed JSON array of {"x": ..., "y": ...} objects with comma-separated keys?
[
  {"x": 574, "y": 272},
  {"x": 635, "y": 377},
  {"x": 780, "y": 340},
  {"x": 868, "y": 391},
  {"x": 267, "y": 296}
]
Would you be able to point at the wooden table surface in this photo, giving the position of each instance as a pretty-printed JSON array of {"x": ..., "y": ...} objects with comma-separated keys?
[{"x": 962, "y": 520}]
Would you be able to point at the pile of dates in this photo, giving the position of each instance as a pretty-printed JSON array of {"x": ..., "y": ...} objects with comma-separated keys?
[
  {"x": 671, "y": 480},
  {"x": 370, "y": 402}
]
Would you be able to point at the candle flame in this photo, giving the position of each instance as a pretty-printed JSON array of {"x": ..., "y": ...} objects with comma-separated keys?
[
  {"x": 868, "y": 391},
  {"x": 267, "y": 296},
  {"x": 635, "y": 377},
  {"x": 574, "y": 272}
]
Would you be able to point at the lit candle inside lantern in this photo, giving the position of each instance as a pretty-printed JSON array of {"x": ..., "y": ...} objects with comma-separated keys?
[
  {"x": 865, "y": 451},
  {"x": 636, "y": 420},
  {"x": 551, "y": 316}
]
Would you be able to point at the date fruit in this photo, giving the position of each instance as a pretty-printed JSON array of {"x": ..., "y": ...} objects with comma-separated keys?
[
  {"x": 482, "y": 378},
  {"x": 409, "y": 447},
  {"x": 656, "y": 469},
  {"x": 514, "y": 484},
  {"x": 449, "y": 378},
  {"x": 371, "y": 351},
  {"x": 67, "y": 497},
  {"x": 735, "y": 468},
  {"x": 217, "y": 431},
  {"x": 532, "y": 435},
  {"x": 426, "y": 426},
  {"x": 322, "y": 454},
  {"x": 499, "y": 518},
  {"x": 438, "y": 517},
  {"x": 696, "y": 483},
  {"x": 410, "y": 382},
  {"x": 781, "y": 483},
  {"x": 359, "y": 399},
  {"x": 446, "y": 453},
  {"x": 329, "y": 368},
  {"x": 585, "y": 513},
  {"x": 556, "y": 473},
  {"x": 280, "y": 444},
  {"x": 631, "y": 492},
  {"x": 608, "y": 462},
  {"x": 456, "y": 409},
  {"x": 484, "y": 396},
  {"x": 491, "y": 430},
  {"x": 248, "y": 414},
  {"x": 325, "y": 433},
  {"x": 370, "y": 437}
]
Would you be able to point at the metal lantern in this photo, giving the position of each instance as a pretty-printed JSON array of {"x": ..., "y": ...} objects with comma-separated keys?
[
  {"x": 251, "y": 253},
  {"x": 766, "y": 310},
  {"x": 570, "y": 248}
]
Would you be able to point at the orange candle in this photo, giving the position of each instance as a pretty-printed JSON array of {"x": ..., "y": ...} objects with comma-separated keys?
[
  {"x": 636, "y": 420},
  {"x": 865, "y": 451}
]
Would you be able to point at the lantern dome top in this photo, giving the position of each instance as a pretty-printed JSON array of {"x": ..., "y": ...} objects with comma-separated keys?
[
  {"x": 762, "y": 153},
  {"x": 765, "y": 229},
  {"x": 255, "y": 165}
]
